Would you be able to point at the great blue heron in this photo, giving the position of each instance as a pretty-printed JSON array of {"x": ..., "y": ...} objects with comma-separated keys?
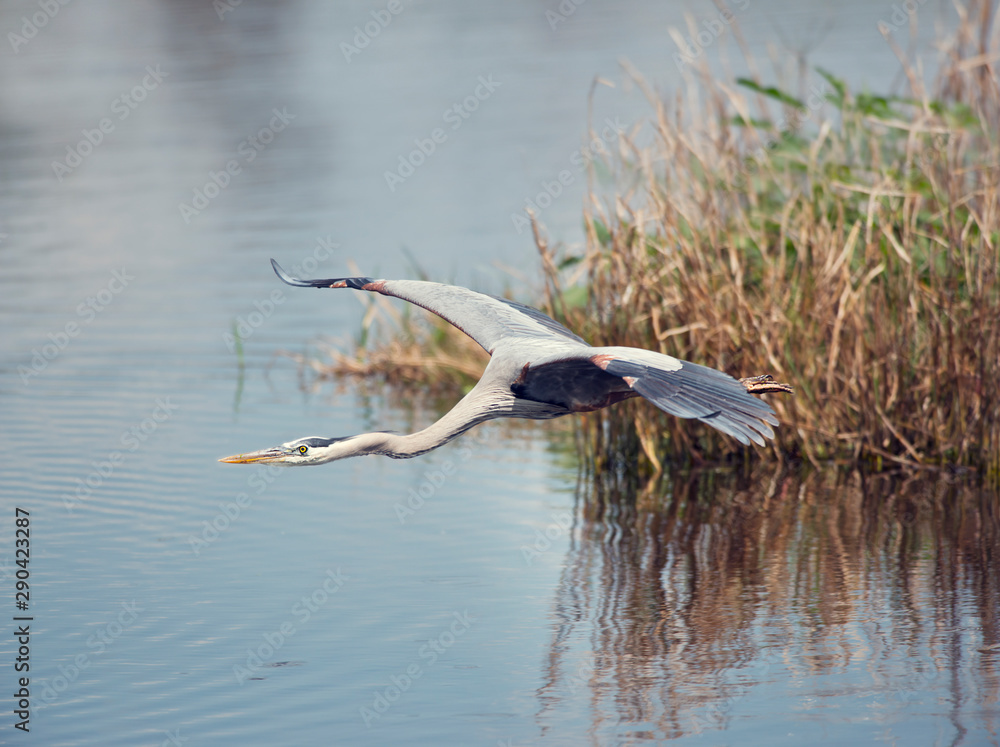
[{"x": 538, "y": 370}]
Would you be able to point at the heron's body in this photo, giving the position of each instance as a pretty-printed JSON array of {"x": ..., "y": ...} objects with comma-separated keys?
[{"x": 538, "y": 369}]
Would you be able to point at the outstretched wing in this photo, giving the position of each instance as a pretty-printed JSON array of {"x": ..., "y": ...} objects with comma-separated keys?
[
  {"x": 486, "y": 319},
  {"x": 688, "y": 390}
]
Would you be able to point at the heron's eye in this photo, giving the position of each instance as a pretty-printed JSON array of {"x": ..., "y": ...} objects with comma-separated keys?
[{"x": 303, "y": 449}]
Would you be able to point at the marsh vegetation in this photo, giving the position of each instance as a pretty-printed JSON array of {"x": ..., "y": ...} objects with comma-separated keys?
[{"x": 843, "y": 241}]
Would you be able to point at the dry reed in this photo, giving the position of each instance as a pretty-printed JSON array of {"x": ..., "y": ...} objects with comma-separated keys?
[{"x": 848, "y": 244}]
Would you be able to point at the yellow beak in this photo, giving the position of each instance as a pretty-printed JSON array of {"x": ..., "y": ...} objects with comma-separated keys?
[{"x": 264, "y": 455}]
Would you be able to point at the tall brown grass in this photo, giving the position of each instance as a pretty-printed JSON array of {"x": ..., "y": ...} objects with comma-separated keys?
[{"x": 846, "y": 243}]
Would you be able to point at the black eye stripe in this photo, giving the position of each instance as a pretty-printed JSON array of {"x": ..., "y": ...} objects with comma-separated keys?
[{"x": 320, "y": 442}]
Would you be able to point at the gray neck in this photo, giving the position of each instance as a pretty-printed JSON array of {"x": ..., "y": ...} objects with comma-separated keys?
[
  {"x": 488, "y": 400},
  {"x": 478, "y": 406}
]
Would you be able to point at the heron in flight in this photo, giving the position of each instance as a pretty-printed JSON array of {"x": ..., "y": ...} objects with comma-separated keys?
[{"x": 538, "y": 369}]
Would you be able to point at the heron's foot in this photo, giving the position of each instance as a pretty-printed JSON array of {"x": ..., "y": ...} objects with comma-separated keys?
[{"x": 765, "y": 384}]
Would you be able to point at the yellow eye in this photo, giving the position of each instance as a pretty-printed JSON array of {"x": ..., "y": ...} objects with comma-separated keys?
[{"x": 303, "y": 449}]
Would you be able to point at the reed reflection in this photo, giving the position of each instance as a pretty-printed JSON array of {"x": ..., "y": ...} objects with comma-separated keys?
[{"x": 678, "y": 600}]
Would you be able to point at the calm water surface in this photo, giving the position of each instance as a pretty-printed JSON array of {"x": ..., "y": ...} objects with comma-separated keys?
[{"x": 476, "y": 595}]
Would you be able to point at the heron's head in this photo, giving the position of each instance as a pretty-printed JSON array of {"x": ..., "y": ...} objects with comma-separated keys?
[{"x": 303, "y": 451}]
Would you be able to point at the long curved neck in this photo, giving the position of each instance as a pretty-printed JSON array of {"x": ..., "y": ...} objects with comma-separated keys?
[
  {"x": 481, "y": 404},
  {"x": 478, "y": 406},
  {"x": 491, "y": 398}
]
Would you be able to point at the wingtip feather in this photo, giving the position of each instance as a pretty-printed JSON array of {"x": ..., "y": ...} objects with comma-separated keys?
[{"x": 285, "y": 277}]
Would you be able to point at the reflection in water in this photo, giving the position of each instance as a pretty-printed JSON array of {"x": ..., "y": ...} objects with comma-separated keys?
[{"x": 726, "y": 596}]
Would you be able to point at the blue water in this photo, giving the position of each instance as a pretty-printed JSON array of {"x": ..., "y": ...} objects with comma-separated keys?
[{"x": 178, "y": 600}]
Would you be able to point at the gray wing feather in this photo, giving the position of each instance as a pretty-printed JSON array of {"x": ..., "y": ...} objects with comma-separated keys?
[
  {"x": 486, "y": 319},
  {"x": 688, "y": 390},
  {"x": 546, "y": 321}
]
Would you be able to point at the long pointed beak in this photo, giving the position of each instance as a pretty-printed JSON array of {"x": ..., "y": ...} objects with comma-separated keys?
[{"x": 264, "y": 455}]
